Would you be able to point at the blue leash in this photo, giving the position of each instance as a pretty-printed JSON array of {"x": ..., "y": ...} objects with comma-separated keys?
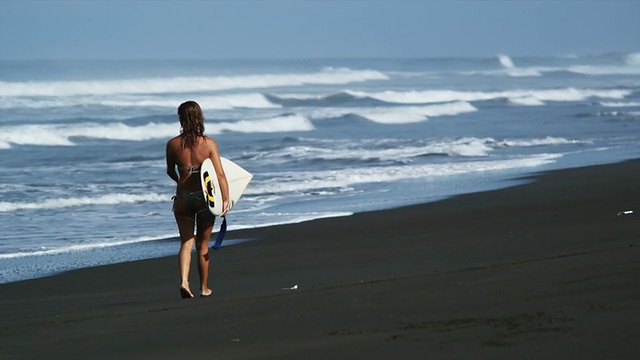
[{"x": 221, "y": 233}]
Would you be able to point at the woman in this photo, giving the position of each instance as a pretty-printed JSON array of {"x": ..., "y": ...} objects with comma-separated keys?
[{"x": 186, "y": 152}]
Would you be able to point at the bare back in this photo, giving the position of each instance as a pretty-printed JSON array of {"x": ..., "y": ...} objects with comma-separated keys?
[{"x": 188, "y": 160}]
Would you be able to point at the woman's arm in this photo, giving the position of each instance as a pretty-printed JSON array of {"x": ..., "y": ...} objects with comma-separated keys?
[
  {"x": 222, "y": 177},
  {"x": 171, "y": 163}
]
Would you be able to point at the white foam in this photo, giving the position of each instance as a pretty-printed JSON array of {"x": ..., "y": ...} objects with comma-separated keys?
[
  {"x": 506, "y": 61},
  {"x": 600, "y": 70},
  {"x": 61, "y": 134},
  {"x": 290, "y": 218},
  {"x": 621, "y": 104},
  {"x": 633, "y": 59},
  {"x": 85, "y": 247},
  {"x": 399, "y": 114},
  {"x": 510, "y": 69},
  {"x": 573, "y": 94},
  {"x": 458, "y": 147},
  {"x": 401, "y": 152},
  {"x": 404, "y": 115},
  {"x": 549, "y": 140},
  {"x": 290, "y": 96},
  {"x": 110, "y": 199},
  {"x": 249, "y": 101},
  {"x": 306, "y": 181},
  {"x": 220, "y": 102},
  {"x": 186, "y": 84},
  {"x": 468, "y": 146},
  {"x": 524, "y": 72},
  {"x": 463, "y": 147},
  {"x": 34, "y": 135},
  {"x": 282, "y": 123},
  {"x": 526, "y": 101},
  {"x": 618, "y": 113},
  {"x": 424, "y": 96},
  {"x": 535, "y": 71},
  {"x": 522, "y": 96}
]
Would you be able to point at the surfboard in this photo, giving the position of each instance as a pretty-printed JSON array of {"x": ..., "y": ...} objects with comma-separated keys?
[{"x": 237, "y": 178}]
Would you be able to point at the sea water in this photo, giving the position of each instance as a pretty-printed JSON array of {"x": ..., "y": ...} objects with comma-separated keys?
[{"x": 83, "y": 175}]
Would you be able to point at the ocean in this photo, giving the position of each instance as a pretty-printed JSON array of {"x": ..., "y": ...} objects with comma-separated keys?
[{"x": 82, "y": 143}]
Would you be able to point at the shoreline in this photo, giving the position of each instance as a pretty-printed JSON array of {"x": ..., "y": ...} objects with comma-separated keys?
[
  {"x": 547, "y": 267},
  {"x": 57, "y": 261}
]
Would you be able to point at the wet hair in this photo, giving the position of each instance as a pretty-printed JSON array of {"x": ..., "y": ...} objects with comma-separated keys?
[{"x": 192, "y": 122}]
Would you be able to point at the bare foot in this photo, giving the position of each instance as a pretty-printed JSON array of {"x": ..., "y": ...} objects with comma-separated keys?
[
  {"x": 185, "y": 293},
  {"x": 206, "y": 292}
]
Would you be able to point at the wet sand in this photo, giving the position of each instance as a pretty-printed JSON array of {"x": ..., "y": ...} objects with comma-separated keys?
[{"x": 547, "y": 269}]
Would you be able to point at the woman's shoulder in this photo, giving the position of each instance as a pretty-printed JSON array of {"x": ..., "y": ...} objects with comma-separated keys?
[
  {"x": 175, "y": 142},
  {"x": 208, "y": 140}
]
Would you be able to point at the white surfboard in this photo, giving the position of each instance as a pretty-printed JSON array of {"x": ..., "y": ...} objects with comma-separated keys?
[{"x": 237, "y": 177}]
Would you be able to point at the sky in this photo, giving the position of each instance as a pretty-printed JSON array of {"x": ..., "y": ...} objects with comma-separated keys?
[{"x": 148, "y": 29}]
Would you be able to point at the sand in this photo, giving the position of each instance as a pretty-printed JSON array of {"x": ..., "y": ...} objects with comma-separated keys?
[{"x": 547, "y": 269}]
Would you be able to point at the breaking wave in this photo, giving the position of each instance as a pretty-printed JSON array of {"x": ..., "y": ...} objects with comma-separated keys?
[
  {"x": 620, "y": 104},
  {"x": 506, "y": 61},
  {"x": 220, "y": 102},
  {"x": 283, "y": 182},
  {"x": 633, "y": 59},
  {"x": 86, "y": 247},
  {"x": 175, "y": 85},
  {"x": 399, "y": 114},
  {"x": 522, "y": 97},
  {"x": 62, "y": 134},
  {"x": 353, "y": 152},
  {"x": 111, "y": 199}
]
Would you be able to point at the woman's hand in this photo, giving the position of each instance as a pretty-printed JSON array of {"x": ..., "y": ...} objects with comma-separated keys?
[{"x": 225, "y": 207}]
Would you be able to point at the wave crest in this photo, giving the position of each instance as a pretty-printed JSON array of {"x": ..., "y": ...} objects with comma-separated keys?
[
  {"x": 111, "y": 199},
  {"x": 220, "y": 102},
  {"x": 398, "y": 150},
  {"x": 323, "y": 179},
  {"x": 633, "y": 59},
  {"x": 61, "y": 134},
  {"x": 186, "y": 84},
  {"x": 399, "y": 114},
  {"x": 525, "y": 97},
  {"x": 506, "y": 61},
  {"x": 281, "y": 123}
]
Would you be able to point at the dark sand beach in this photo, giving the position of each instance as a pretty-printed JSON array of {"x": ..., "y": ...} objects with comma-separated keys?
[{"x": 547, "y": 269}]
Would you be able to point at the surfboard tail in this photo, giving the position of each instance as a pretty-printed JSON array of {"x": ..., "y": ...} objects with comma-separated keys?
[{"x": 237, "y": 178}]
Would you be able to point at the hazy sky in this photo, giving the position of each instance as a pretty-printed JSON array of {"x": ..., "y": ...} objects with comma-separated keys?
[{"x": 118, "y": 29}]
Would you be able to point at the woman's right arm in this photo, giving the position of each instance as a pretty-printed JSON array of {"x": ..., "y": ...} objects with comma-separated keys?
[{"x": 171, "y": 163}]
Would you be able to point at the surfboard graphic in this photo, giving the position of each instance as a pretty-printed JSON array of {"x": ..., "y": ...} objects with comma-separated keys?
[{"x": 237, "y": 177}]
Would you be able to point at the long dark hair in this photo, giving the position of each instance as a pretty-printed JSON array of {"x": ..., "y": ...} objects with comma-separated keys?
[{"x": 192, "y": 122}]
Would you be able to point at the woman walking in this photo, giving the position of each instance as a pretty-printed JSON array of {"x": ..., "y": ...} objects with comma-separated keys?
[{"x": 185, "y": 153}]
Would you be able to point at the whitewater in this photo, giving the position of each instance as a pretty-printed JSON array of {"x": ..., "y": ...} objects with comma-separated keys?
[{"x": 83, "y": 176}]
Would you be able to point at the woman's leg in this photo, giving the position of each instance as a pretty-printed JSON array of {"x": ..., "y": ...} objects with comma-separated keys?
[
  {"x": 203, "y": 233},
  {"x": 185, "y": 227}
]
